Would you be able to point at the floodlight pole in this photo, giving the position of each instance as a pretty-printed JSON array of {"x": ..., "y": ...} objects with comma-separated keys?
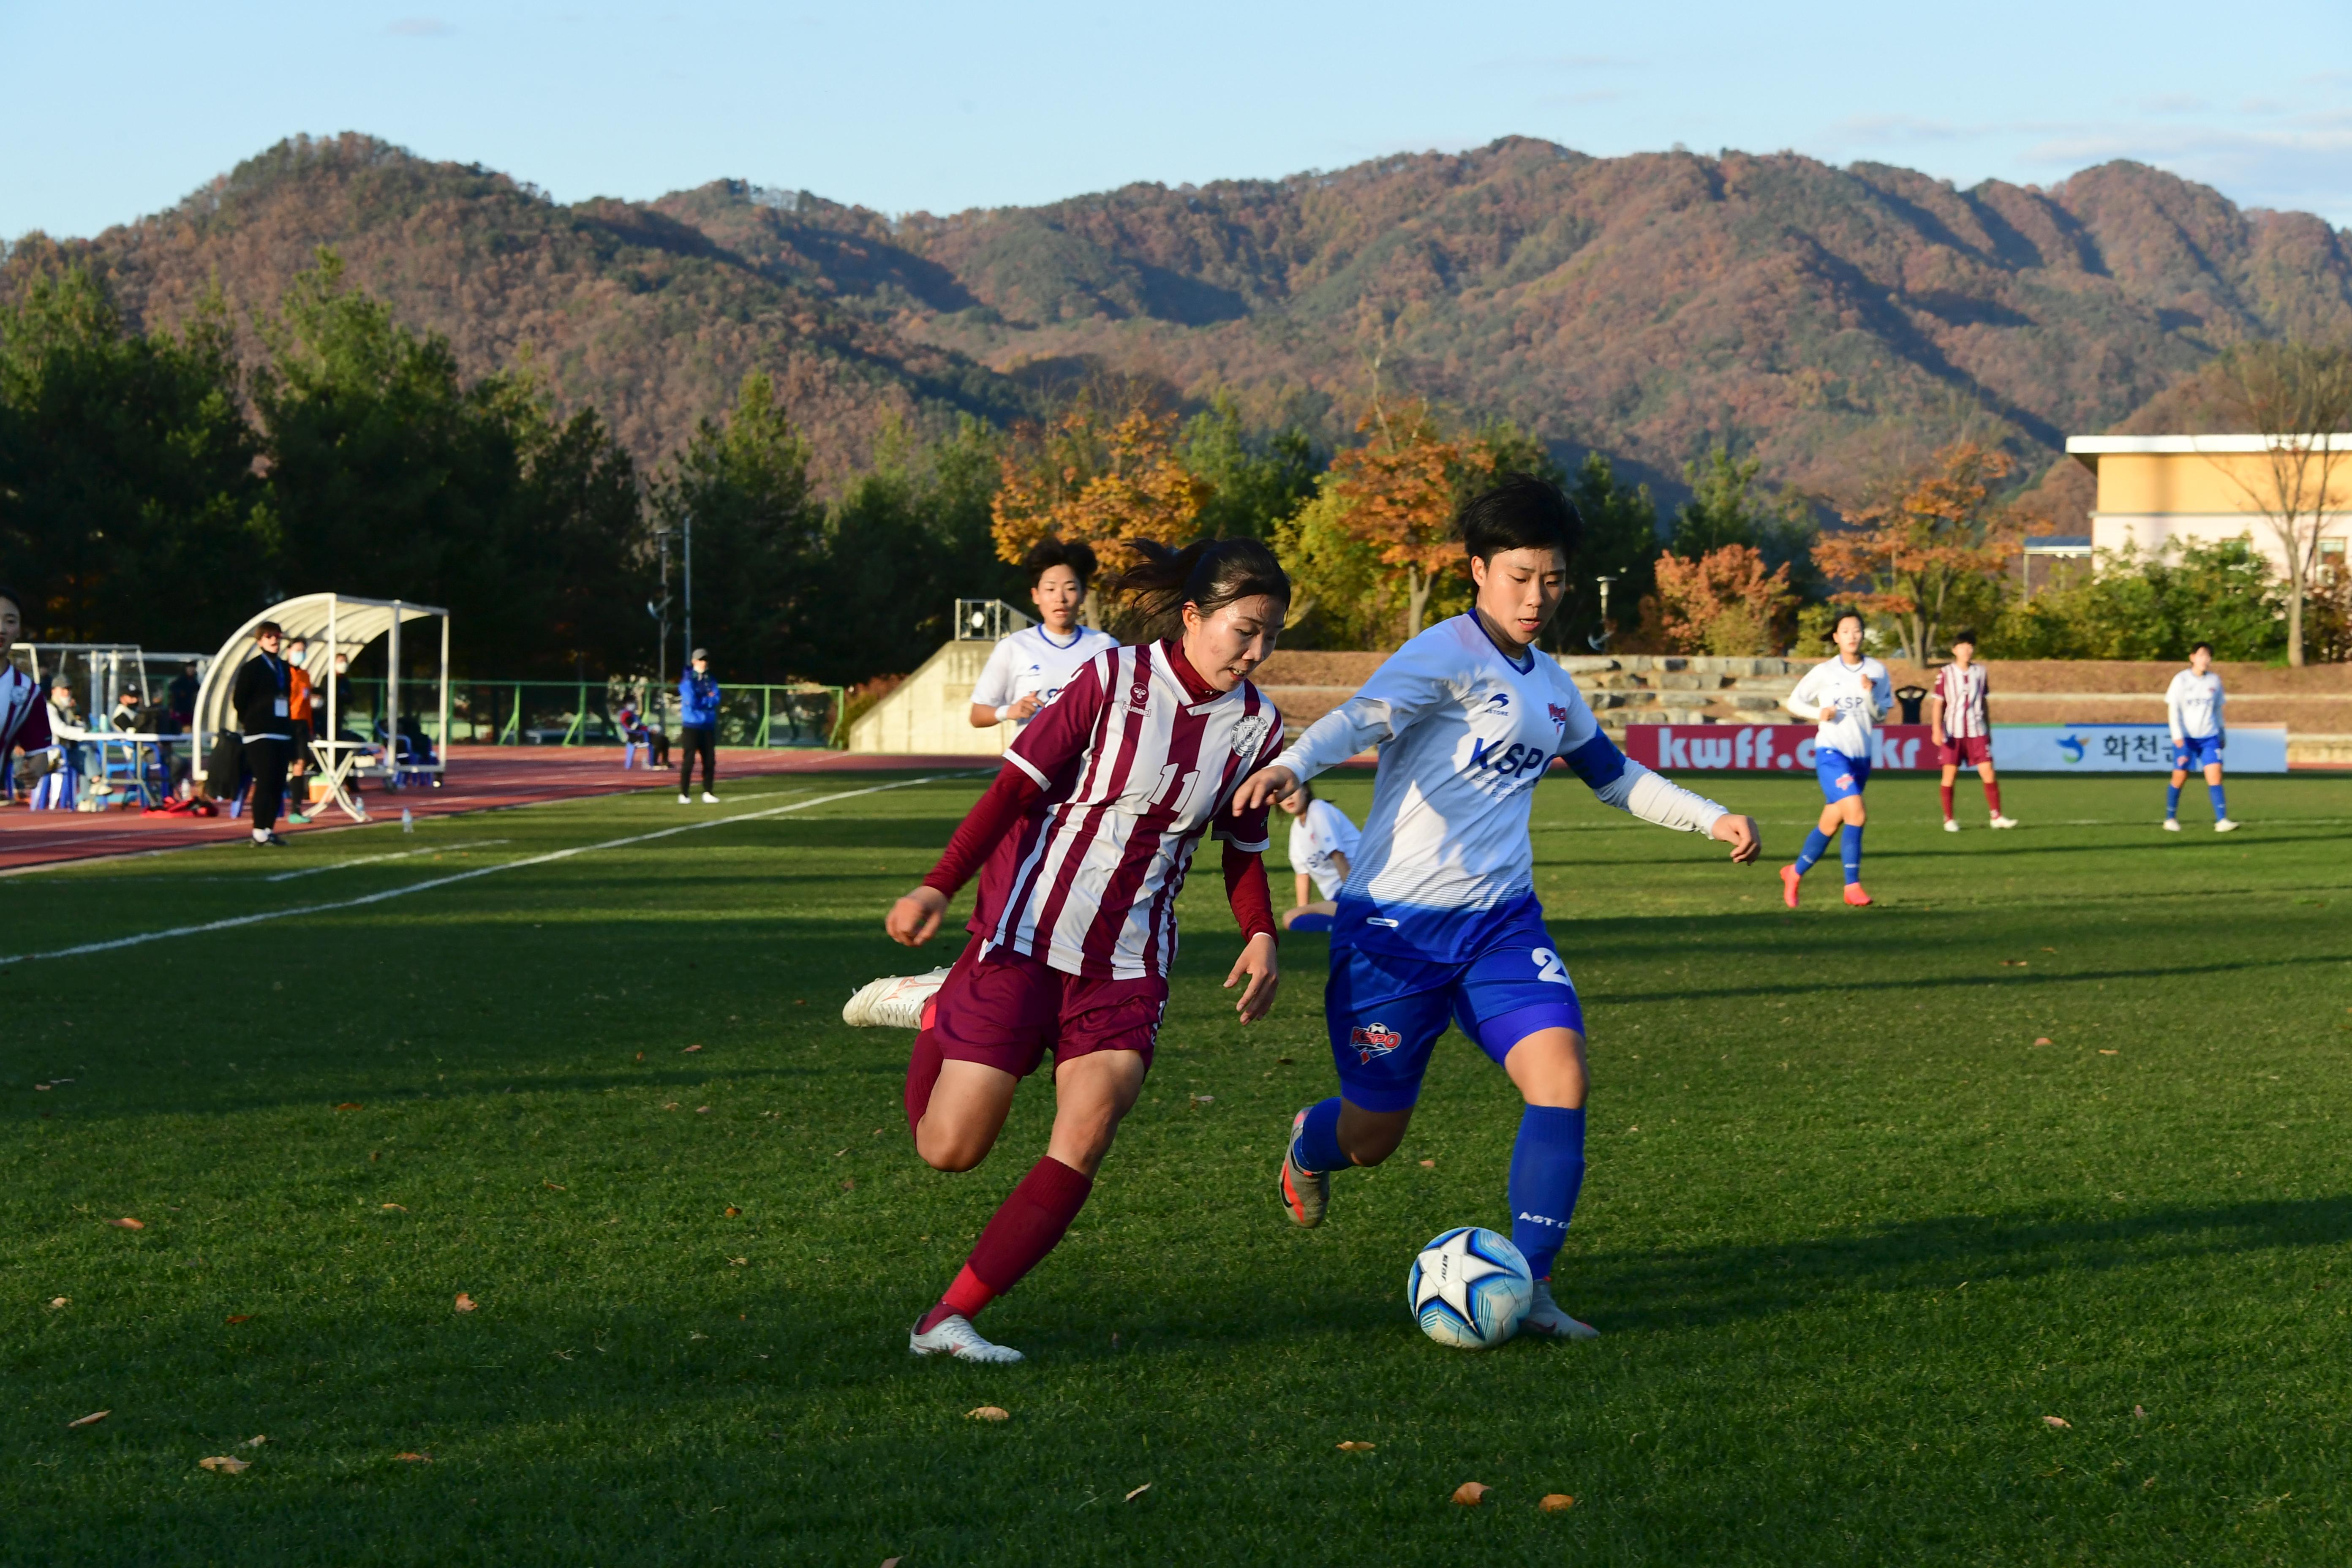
[{"x": 689, "y": 590}]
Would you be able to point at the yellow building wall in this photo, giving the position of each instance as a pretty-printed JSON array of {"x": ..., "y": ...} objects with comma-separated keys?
[{"x": 2144, "y": 483}]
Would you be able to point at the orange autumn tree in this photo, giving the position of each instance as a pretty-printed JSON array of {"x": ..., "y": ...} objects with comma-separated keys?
[
  {"x": 1916, "y": 547},
  {"x": 1722, "y": 602},
  {"x": 1395, "y": 494},
  {"x": 1076, "y": 481}
]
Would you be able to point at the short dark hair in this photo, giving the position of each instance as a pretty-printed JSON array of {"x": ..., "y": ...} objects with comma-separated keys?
[
  {"x": 1965, "y": 635},
  {"x": 2206, "y": 646},
  {"x": 267, "y": 629},
  {"x": 1519, "y": 511},
  {"x": 1849, "y": 614},
  {"x": 1046, "y": 554},
  {"x": 15, "y": 598},
  {"x": 1208, "y": 574}
]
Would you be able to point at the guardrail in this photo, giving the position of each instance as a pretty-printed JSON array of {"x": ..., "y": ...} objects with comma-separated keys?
[{"x": 586, "y": 712}]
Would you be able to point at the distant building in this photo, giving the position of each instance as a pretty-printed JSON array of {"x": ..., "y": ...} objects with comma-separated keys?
[
  {"x": 2202, "y": 489},
  {"x": 2052, "y": 561}
]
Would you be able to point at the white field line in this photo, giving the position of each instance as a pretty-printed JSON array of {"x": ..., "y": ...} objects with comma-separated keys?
[
  {"x": 395, "y": 855},
  {"x": 554, "y": 855}
]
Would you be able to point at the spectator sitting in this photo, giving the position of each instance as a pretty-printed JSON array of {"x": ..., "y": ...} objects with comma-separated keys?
[
  {"x": 633, "y": 735},
  {"x": 179, "y": 698},
  {"x": 73, "y": 740},
  {"x": 1321, "y": 841},
  {"x": 24, "y": 716},
  {"x": 124, "y": 718}
]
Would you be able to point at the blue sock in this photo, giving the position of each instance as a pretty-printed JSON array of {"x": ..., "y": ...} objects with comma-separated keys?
[
  {"x": 1817, "y": 844},
  {"x": 2171, "y": 801},
  {"x": 1546, "y": 1171},
  {"x": 1316, "y": 1147},
  {"x": 2221, "y": 808},
  {"x": 1850, "y": 851}
]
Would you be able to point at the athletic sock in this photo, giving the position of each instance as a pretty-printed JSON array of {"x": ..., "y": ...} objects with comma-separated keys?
[
  {"x": 1029, "y": 1224},
  {"x": 922, "y": 1075},
  {"x": 1316, "y": 1147},
  {"x": 2221, "y": 806},
  {"x": 964, "y": 1300},
  {"x": 2171, "y": 801},
  {"x": 1992, "y": 797},
  {"x": 1946, "y": 791},
  {"x": 1850, "y": 851},
  {"x": 1546, "y": 1172},
  {"x": 1817, "y": 844}
]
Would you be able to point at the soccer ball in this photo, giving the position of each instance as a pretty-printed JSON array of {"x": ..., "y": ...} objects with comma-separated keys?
[{"x": 1470, "y": 1288}]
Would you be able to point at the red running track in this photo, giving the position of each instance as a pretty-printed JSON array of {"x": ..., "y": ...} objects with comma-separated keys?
[{"x": 479, "y": 779}]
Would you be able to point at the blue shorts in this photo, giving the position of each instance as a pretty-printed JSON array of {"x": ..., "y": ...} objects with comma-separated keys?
[
  {"x": 2192, "y": 755},
  {"x": 1386, "y": 1012},
  {"x": 1842, "y": 776}
]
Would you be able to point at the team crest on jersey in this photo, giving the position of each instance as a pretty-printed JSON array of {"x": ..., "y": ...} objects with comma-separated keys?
[
  {"x": 1373, "y": 1040},
  {"x": 1138, "y": 698},
  {"x": 1247, "y": 731},
  {"x": 1559, "y": 715}
]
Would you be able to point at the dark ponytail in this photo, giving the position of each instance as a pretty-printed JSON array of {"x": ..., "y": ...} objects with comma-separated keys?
[{"x": 1208, "y": 574}]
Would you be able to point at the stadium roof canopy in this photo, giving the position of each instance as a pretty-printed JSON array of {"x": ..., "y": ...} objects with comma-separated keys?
[{"x": 331, "y": 624}]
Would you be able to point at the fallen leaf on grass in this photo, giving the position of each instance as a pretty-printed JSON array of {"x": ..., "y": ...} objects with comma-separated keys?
[
  {"x": 1429, "y": 1164},
  {"x": 850, "y": 1186},
  {"x": 693, "y": 1048},
  {"x": 2104, "y": 1052},
  {"x": 1204, "y": 1100},
  {"x": 1557, "y": 1502},
  {"x": 988, "y": 1413},
  {"x": 351, "y": 1105},
  {"x": 552, "y": 1186},
  {"x": 402, "y": 1208},
  {"x": 1352, "y": 1446},
  {"x": 256, "y": 1441},
  {"x": 2042, "y": 1039},
  {"x": 2014, "y": 962},
  {"x": 126, "y": 1223},
  {"x": 732, "y": 1211},
  {"x": 464, "y": 1303},
  {"x": 240, "y": 1317},
  {"x": 1137, "y": 1492},
  {"x": 225, "y": 1464},
  {"x": 671, "y": 1106},
  {"x": 414, "y": 1458},
  {"x": 92, "y": 1419},
  {"x": 702, "y": 1110},
  {"x": 2138, "y": 1412},
  {"x": 43, "y": 1086},
  {"x": 739, "y": 1262},
  {"x": 1281, "y": 1061},
  {"x": 57, "y": 1301},
  {"x": 889, "y": 1563},
  {"x": 1470, "y": 1494},
  {"x": 2056, "y": 1421}
]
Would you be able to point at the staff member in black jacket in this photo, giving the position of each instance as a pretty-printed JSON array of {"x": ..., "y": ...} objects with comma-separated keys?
[{"x": 263, "y": 698}]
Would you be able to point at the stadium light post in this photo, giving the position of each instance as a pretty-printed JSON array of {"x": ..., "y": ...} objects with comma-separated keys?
[
  {"x": 689, "y": 588},
  {"x": 1599, "y": 639}
]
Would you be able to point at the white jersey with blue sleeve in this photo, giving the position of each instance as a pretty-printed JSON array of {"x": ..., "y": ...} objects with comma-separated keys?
[
  {"x": 2192, "y": 704},
  {"x": 1859, "y": 692},
  {"x": 1030, "y": 663},
  {"x": 1464, "y": 730}
]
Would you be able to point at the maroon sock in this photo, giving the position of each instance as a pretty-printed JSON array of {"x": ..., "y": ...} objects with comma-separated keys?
[
  {"x": 1029, "y": 1224},
  {"x": 1993, "y": 796},
  {"x": 964, "y": 1298},
  {"x": 1947, "y": 790},
  {"x": 922, "y": 1073}
]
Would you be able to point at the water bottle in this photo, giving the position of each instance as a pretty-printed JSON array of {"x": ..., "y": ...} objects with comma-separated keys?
[{"x": 407, "y": 821}]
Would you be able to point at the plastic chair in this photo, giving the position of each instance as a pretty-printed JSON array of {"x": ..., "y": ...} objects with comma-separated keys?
[{"x": 60, "y": 788}]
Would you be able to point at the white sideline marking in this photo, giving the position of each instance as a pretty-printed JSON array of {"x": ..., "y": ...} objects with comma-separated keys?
[
  {"x": 395, "y": 855},
  {"x": 234, "y": 922}
]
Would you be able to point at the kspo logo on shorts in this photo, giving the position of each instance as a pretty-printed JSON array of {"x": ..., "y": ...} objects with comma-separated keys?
[{"x": 1373, "y": 1040}]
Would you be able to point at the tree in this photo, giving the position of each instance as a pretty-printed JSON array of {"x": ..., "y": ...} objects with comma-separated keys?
[
  {"x": 1727, "y": 506},
  {"x": 1724, "y": 601},
  {"x": 1076, "y": 479},
  {"x": 2297, "y": 398},
  {"x": 1342, "y": 594},
  {"x": 1253, "y": 483},
  {"x": 759, "y": 536},
  {"x": 1917, "y": 548},
  {"x": 1621, "y": 543},
  {"x": 1396, "y": 494},
  {"x": 130, "y": 509},
  {"x": 2154, "y": 607}
]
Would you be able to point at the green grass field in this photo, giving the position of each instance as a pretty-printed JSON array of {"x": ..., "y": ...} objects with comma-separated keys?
[{"x": 1851, "y": 1232}]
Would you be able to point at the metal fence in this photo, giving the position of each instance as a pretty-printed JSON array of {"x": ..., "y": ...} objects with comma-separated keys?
[{"x": 587, "y": 712}]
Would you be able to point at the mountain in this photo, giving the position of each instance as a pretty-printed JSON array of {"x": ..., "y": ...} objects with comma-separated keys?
[{"x": 1828, "y": 320}]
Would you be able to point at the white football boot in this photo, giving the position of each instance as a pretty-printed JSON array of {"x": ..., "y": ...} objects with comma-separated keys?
[
  {"x": 2004, "y": 822},
  {"x": 955, "y": 1336},
  {"x": 2172, "y": 825},
  {"x": 2225, "y": 826},
  {"x": 1950, "y": 827},
  {"x": 1545, "y": 1320}
]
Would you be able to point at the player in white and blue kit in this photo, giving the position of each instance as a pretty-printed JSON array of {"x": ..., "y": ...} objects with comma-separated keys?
[
  {"x": 1028, "y": 669},
  {"x": 2192, "y": 705},
  {"x": 1438, "y": 919},
  {"x": 1846, "y": 697}
]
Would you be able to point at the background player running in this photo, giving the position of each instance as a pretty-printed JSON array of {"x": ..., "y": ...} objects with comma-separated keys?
[
  {"x": 1438, "y": 918},
  {"x": 1087, "y": 835},
  {"x": 1960, "y": 724},
  {"x": 1847, "y": 696},
  {"x": 1027, "y": 669},
  {"x": 1322, "y": 846},
  {"x": 2193, "y": 704}
]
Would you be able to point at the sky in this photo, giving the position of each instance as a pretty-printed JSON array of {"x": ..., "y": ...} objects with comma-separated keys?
[{"x": 110, "y": 113}]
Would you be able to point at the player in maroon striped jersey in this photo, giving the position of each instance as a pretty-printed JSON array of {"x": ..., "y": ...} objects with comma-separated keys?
[
  {"x": 1087, "y": 835},
  {"x": 1960, "y": 724}
]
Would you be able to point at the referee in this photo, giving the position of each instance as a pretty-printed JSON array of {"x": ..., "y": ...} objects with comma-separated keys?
[{"x": 263, "y": 698}]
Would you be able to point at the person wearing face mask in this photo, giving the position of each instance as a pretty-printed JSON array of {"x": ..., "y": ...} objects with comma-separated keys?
[
  {"x": 1086, "y": 838},
  {"x": 263, "y": 698},
  {"x": 1028, "y": 669}
]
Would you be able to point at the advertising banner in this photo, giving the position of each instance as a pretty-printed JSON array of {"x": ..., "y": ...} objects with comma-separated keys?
[{"x": 1898, "y": 748}]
